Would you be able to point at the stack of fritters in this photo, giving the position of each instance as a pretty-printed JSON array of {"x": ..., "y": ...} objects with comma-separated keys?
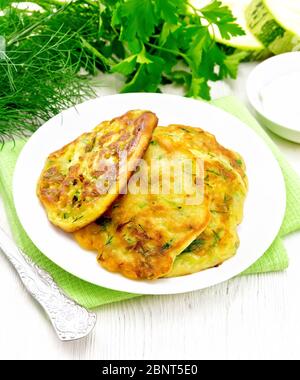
[{"x": 148, "y": 234}]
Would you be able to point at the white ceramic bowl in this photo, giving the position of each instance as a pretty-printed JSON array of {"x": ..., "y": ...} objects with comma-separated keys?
[{"x": 263, "y": 75}]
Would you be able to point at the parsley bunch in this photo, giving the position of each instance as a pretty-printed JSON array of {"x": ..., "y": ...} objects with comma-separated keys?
[{"x": 159, "y": 34}]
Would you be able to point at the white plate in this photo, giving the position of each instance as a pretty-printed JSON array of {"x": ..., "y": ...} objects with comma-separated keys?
[{"x": 264, "y": 209}]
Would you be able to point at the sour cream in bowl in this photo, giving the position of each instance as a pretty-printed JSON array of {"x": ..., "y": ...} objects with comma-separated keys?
[{"x": 273, "y": 91}]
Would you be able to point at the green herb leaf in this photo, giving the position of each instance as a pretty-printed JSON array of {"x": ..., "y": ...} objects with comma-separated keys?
[
  {"x": 109, "y": 240},
  {"x": 125, "y": 67},
  {"x": 167, "y": 10},
  {"x": 221, "y": 16},
  {"x": 195, "y": 245},
  {"x": 141, "y": 82},
  {"x": 167, "y": 245},
  {"x": 231, "y": 64},
  {"x": 138, "y": 19},
  {"x": 217, "y": 238}
]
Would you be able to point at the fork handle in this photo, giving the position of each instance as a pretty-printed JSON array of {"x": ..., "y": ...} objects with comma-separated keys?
[{"x": 69, "y": 320}]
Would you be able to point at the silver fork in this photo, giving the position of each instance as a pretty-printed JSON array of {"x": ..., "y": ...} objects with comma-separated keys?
[{"x": 70, "y": 321}]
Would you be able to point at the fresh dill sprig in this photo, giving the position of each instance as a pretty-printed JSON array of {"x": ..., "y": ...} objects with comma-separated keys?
[{"x": 38, "y": 70}]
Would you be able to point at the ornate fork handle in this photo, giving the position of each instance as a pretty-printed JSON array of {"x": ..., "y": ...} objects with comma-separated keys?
[{"x": 69, "y": 320}]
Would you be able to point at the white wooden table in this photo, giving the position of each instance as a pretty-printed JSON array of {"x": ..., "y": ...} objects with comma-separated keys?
[{"x": 255, "y": 317}]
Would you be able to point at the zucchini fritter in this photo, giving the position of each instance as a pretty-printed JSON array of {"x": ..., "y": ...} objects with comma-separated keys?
[
  {"x": 69, "y": 184},
  {"x": 142, "y": 234},
  {"x": 220, "y": 241},
  {"x": 226, "y": 183}
]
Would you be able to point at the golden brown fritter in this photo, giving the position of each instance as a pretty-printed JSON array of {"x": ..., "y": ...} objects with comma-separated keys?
[
  {"x": 142, "y": 234},
  {"x": 80, "y": 181},
  {"x": 220, "y": 241},
  {"x": 226, "y": 183}
]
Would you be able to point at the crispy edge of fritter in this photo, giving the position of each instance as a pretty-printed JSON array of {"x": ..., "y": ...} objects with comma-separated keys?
[{"x": 138, "y": 152}]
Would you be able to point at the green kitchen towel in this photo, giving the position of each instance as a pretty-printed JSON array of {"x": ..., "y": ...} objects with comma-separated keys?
[{"x": 275, "y": 259}]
